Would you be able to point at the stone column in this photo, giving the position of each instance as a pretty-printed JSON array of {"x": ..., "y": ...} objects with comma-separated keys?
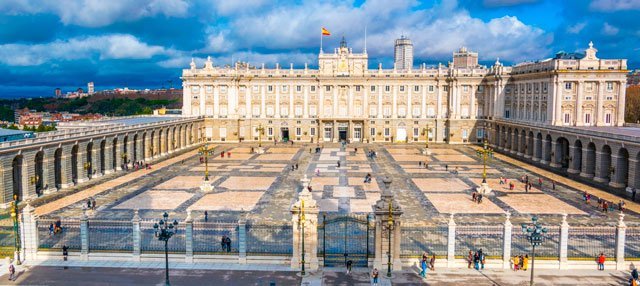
[
  {"x": 28, "y": 171},
  {"x": 506, "y": 245},
  {"x": 599, "y": 104},
  {"x": 119, "y": 152},
  {"x": 579, "y": 121},
  {"x": 622, "y": 95},
  {"x": 65, "y": 167},
  {"x": 84, "y": 236},
  {"x": 634, "y": 177},
  {"x": 95, "y": 157},
  {"x": 305, "y": 207},
  {"x": 572, "y": 155},
  {"x": 620, "y": 241},
  {"x": 388, "y": 215},
  {"x": 136, "y": 235},
  {"x": 451, "y": 243},
  {"x": 555, "y": 160},
  {"x": 535, "y": 147},
  {"x": 617, "y": 179},
  {"x": 48, "y": 171},
  {"x": 188, "y": 238},
  {"x": 601, "y": 176},
  {"x": 29, "y": 233},
  {"x": 242, "y": 241},
  {"x": 108, "y": 157},
  {"x": 564, "y": 239}
]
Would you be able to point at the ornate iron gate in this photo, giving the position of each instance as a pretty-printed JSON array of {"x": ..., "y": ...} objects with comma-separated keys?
[{"x": 346, "y": 237}]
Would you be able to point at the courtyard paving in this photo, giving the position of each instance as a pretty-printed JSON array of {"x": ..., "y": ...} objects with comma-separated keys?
[{"x": 263, "y": 186}]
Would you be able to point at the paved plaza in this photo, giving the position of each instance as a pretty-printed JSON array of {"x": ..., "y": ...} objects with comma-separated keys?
[{"x": 261, "y": 187}]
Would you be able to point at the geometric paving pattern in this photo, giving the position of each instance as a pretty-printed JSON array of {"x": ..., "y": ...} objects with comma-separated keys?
[{"x": 156, "y": 200}]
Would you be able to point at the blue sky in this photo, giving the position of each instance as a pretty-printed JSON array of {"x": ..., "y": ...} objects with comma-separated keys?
[{"x": 46, "y": 44}]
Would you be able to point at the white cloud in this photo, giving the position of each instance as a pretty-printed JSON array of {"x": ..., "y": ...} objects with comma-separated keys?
[
  {"x": 230, "y": 7},
  {"x": 97, "y": 13},
  {"x": 577, "y": 28},
  {"x": 502, "y": 3},
  {"x": 614, "y": 5},
  {"x": 115, "y": 46},
  {"x": 609, "y": 29}
]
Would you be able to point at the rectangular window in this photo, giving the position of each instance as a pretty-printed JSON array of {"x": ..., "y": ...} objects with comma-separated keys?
[
  {"x": 373, "y": 88},
  {"x": 416, "y": 131},
  {"x": 416, "y": 111},
  {"x": 480, "y": 133},
  {"x": 465, "y": 134},
  {"x": 431, "y": 88},
  {"x": 209, "y": 89},
  {"x": 298, "y": 88},
  {"x": 567, "y": 85},
  {"x": 270, "y": 131},
  {"x": 298, "y": 131},
  {"x": 480, "y": 88},
  {"x": 445, "y": 88},
  {"x": 567, "y": 118},
  {"x": 256, "y": 88},
  {"x": 373, "y": 111},
  {"x": 387, "y": 88},
  {"x": 609, "y": 86},
  {"x": 416, "y": 88},
  {"x": 313, "y": 88},
  {"x": 357, "y": 88},
  {"x": 373, "y": 131},
  {"x": 387, "y": 132},
  {"x": 270, "y": 88},
  {"x": 312, "y": 110},
  {"x": 587, "y": 118},
  {"x": 402, "y": 88},
  {"x": 256, "y": 110},
  {"x": 607, "y": 118},
  {"x": 312, "y": 131},
  {"x": 195, "y": 89},
  {"x": 285, "y": 88},
  {"x": 465, "y": 88},
  {"x": 328, "y": 88}
]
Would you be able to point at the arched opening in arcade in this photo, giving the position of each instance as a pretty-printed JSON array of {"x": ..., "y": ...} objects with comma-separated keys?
[
  {"x": 143, "y": 146},
  {"x": 562, "y": 152},
  {"x": 103, "y": 146},
  {"x": 125, "y": 152},
  {"x": 74, "y": 164},
  {"x": 16, "y": 168},
  {"x": 529, "y": 147},
  {"x": 576, "y": 159},
  {"x": 547, "y": 148},
  {"x": 590, "y": 160},
  {"x": 38, "y": 178},
  {"x": 538, "y": 146},
  {"x": 114, "y": 154},
  {"x": 88, "y": 166},
  {"x": 134, "y": 151},
  {"x": 57, "y": 167},
  {"x": 523, "y": 142}
]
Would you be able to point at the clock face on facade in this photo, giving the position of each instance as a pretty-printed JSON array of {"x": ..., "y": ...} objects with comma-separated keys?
[{"x": 342, "y": 65}]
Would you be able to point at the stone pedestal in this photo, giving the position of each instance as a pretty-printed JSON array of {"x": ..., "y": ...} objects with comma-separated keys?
[
  {"x": 206, "y": 186},
  {"x": 304, "y": 215},
  {"x": 426, "y": 151},
  {"x": 484, "y": 189},
  {"x": 506, "y": 247},
  {"x": 136, "y": 236},
  {"x": 260, "y": 150},
  {"x": 620, "y": 241},
  {"x": 188, "y": 238},
  {"x": 388, "y": 229},
  {"x": 84, "y": 236},
  {"x": 29, "y": 233},
  {"x": 451, "y": 243},
  {"x": 564, "y": 240}
]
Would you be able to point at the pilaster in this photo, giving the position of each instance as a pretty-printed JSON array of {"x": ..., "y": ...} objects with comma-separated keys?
[
  {"x": 136, "y": 235},
  {"x": 84, "y": 236},
  {"x": 564, "y": 239},
  {"x": 188, "y": 238},
  {"x": 242, "y": 241},
  {"x": 621, "y": 229},
  {"x": 506, "y": 245},
  {"x": 451, "y": 242}
]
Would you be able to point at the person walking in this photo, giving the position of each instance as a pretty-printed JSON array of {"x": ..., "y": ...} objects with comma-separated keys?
[
  {"x": 93, "y": 204},
  {"x": 223, "y": 242},
  {"x": 12, "y": 272},
  {"x": 227, "y": 241},
  {"x": 375, "y": 275},
  {"x": 525, "y": 262},
  {"x": 65, "y": 252},
  {"x": 476, "y": 261},
  {"x": 349, "y": 266},
  {"x": 516, "y": 263},
  {"x": 469, "y": 259},
  {"x": 423, "y": 266},
  {"x": 601, "y": 260},
  {"x": 481, "y": 257},
  {"x": 432, "y": 262},
  {"x": 206, "y": 216},
  {"x": 553, "y": 185}
]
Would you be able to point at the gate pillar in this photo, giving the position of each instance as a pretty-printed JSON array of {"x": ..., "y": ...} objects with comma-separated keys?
[
  {"x": 304, "y": 219},
  {"x": 388, "y": 233}
]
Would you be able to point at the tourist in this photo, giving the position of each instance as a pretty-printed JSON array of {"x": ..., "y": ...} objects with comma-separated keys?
[
  {"x": 296, "y": 166},
  {"x": 501, "y": 181},
  {"x": 228, "y": 242},
  {"x": 525, "y": 262},
  {"x": 605, "y": 207},
  {"x": 355, "y": 150},
  {"x": 479, "y": 198},
  {"x": 526, "y": 179},
  {"x": 12, "y": 272},
  {"x": 223, "y": 242},
  {"x": 222, "y": 154},
  {"x": 516, "y": 263},
  {"x": 526, "y": 188},
  {"x": 423, "y": 267},
  {"x": 318, "y": 172},
  {"x": 374, "y": 275},
  {"x": 93, "y": 204},
  {"x": 419, "y": 163},
  {"x": 476, "y": 261},
  {"x": 633, "y": 195},
  {"x": 57, "y": 226},
  {"x": 481, "y": 257},
  {"x": 469, "y": 259},
  {"x": 553, "y": 185},
  {"x": 89, "y": 203},
  {"x": 634, "y": 275},
  {"x": 474, "y": 197},
  {"x": 601, "y": 260},
  {"x": 530, "y": 186},
  {"x": 51, "y": 229},
  {"x": 65, "y": 252},
  {"x": 426, "y": 165},
  {"x": 338, "y": 164},
  {"x": 206, "y": 216},
  {"x": 432, "y": 262},
  {"x": 228, "y": 154},
  {"x": 446, "y": 167},
  {"x": 349, "y": 265},
  {"x": 540, "y": 182}
]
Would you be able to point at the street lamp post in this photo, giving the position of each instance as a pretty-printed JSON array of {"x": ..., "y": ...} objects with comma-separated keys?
[
  {"x": 164, "y": 231},
  {"x": 485, "y": 154},
  {"x": 301, "y": 221},
  {"x": 260, "y": 130},
  {"x": 206, "y": 151},
  {"x": 389, "y": 228},
  {"x": 16, "y": 229},
  {"x": 535, "y": 235}
]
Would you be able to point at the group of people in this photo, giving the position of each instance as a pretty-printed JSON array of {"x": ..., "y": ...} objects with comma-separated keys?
[
  {"x": 520, "y": 262},
  {"x": 476, "y": 197},
  {"x": 367, "y": 178},
  {"x": 476, "y": 259},
  {"x": 427, "y": 263},
  {"x": 425, "y": 164},
  {"x": 294, "y": 167},
  {"x": 91, "y": 204},
  {"x": 225, "y": 242},
  {"x": 372, "y": 154},
  {"x": 55, "y": 227}
]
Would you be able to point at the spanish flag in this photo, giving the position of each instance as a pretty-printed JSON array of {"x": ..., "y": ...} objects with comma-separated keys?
[{"x": 325, "y": 32}]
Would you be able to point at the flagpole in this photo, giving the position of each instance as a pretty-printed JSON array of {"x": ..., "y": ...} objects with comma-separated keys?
[{"x": 321, "y": 36}]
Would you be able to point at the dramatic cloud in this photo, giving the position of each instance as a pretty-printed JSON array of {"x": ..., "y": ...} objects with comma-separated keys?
[
  {"x": 105, "y": 47},
  {"x": 96, "y": 13}
]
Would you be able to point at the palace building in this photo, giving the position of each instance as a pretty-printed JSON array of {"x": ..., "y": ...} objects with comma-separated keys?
[{"x": 345, "y": 100}]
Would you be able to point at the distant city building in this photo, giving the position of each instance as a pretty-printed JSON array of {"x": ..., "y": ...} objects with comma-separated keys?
[
  {"x": 403, "y": 54},
  {"x": 33, "y": 118},
  {"x": 58, "y": 92},
  {"x": 90, "y": 88},
  {"x": 633, "y": 78},
  {"x": 80, "y": 90},
  {"x": 465, "y": 59}
]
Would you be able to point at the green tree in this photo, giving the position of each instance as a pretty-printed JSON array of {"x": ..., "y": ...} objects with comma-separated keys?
[{"x": 632, "y": 104}]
